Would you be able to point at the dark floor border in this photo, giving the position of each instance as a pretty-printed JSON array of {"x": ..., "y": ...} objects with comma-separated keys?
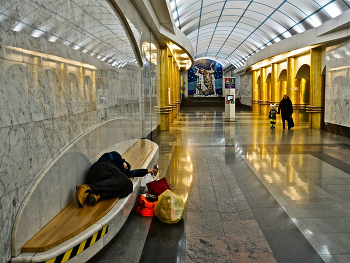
[
  {"x": 332, "y": 161},
  {"x": 286, "y": 241},
  {"x": 337, "y": 129}
]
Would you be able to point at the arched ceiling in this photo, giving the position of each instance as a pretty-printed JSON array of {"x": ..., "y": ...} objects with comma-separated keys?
[
  {"x": 86, "y": 25},
  {"x": 230, "y": 31}
]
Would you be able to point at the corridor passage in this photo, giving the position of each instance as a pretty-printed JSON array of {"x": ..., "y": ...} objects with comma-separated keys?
[{"x": 252, "y": 194}]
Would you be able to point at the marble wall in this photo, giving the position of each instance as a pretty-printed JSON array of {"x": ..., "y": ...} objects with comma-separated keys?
[
  {"x": 244, "y": 92},
  {"x": 337, "y": 94},
  {"x": 50, "y": 94}
]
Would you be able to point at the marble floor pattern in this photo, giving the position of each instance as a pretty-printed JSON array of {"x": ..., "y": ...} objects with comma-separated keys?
[{"x": 252, "y": 194}]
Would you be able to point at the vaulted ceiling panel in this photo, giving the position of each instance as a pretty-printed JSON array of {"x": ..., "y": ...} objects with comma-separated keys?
[
  {"x": 235, "y": 29},
  {"x": 91, "y": 26}
]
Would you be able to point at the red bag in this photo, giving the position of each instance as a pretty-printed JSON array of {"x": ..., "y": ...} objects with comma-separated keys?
[
  {"x": 158, "y": 187},
  {"x": 145, "y": 207}
]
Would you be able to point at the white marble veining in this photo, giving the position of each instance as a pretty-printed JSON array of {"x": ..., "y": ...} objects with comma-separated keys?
[
  {"x": 337, "y": 94},
  {"x": 245, "y": 89},
  {"x": 49, "y": 99}
]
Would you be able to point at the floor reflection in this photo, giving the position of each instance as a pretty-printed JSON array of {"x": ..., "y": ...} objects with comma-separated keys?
[{"x": 301, "y": 169}]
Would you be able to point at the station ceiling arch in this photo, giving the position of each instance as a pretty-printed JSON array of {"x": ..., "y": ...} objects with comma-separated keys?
[{"x": 230, "y": 31}]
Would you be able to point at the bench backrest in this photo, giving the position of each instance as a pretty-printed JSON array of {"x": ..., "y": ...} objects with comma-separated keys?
[{"x": 55, "y": 187}]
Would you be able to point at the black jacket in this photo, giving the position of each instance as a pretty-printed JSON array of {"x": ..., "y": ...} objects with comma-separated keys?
[
  {"x": 116, "y": 159},
  {"x": 286, "y": 107},
  {"x": 108, "y": 176}
]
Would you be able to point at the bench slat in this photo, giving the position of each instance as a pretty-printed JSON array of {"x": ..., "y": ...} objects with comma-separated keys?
[
  {"x": 69, "y": 222},
  {"x": 72, "y": 220}
]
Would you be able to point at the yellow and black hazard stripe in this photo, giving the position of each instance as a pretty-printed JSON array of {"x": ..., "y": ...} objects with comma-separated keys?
[{"x": 78, "y": 248}]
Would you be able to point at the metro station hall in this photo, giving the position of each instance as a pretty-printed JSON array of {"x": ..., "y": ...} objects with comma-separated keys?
[{"x": 175, "y": 131}]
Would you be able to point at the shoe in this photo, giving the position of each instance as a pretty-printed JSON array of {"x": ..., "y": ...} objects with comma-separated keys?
[
  {"x": 93, "y": 198},
  {"x": 81, "y": 194}
]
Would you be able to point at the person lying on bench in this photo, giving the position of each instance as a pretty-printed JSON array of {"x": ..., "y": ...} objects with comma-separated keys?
[{"x": 108, "y": 178}]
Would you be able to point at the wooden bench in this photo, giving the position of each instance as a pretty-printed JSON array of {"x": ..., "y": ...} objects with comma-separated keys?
[{"x": 62, "y": 237}]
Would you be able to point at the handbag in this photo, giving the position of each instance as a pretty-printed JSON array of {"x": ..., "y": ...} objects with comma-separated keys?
[
  {"x": 290, "y": 123},
  {"x": 145, "y": 207},
  {"x": 158, "y": 187}
]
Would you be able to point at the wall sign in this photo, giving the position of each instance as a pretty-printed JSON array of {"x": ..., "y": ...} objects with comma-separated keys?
[{"x": 230, "y": 83}]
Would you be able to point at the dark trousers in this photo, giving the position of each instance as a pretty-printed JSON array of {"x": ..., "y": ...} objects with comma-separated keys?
[
  {"x": 283, "y": 121},
  {"x": 290, "y": 123},
  {"x": 109, "y": 181}
]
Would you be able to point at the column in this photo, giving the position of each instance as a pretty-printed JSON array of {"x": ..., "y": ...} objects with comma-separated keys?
[
  {"x": 317, "y": 91},
  {"x": 304, "y": 88},
  {"x": 170, "y": 86},
  {"x": 291, "y": 92},
  {"x": 163, "y": 89},
  {"x": 173, "y": 87},
  {"x": 255, "y": 92},
  {"x": 275, "y": 88},
  {"x": 264, "y": 102}
]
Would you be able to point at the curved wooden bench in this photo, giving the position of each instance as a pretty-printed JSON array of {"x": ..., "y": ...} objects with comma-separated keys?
[{"x": 62, "y": 236}]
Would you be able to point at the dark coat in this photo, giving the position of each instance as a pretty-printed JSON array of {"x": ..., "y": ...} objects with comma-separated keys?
[
  {"x": 116, "y": 159},
  {"x": 108, "y": 176},
  {"x": 286, "y": 107},
  {"x": 105, "y": 178}
]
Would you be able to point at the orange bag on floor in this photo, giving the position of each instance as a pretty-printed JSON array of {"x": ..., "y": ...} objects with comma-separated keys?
[{"x": 145, "y": 207}]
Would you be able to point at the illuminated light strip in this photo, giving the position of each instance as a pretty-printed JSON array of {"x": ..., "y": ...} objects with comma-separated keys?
[
  {"x": 52, "y": 57},
  {"x": 64, "y": 257}
]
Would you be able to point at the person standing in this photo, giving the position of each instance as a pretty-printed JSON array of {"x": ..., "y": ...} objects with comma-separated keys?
[{"x": 286, "y": 109}]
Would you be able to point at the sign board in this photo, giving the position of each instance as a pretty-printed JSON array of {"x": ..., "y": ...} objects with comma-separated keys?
[{"x": 230, "y": 83}]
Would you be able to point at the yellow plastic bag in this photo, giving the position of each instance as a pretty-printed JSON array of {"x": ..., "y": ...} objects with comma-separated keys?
[{"x": 169, "y": 208}]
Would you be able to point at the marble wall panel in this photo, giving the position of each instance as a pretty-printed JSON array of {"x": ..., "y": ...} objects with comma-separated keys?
[
  {"x": 46, "y": 104},
  {"x": 337, "y": 91},
  {"x": 56, "y": 187},
  {"x": 245, "y": 89},
  {"x": 9, "y": 205},
  {"x": 6, "y": 181},
  {"x": 20, "y": 159},
  {"x": 14, "y": 94}
]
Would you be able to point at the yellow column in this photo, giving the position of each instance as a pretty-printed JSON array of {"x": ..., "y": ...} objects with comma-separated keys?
[
  {"x": 176, "y": 88},
  {"x": 264, "y": 103},
  {"x": 304, "y": 92},
  {"x": 317, "y": 92},
  {"x": 170, "y": 88},
  {"x": 173, "y": 82},
  {"x": 291, "y": 92},
  {"x": 283, "y": 89},
  {"x": 304, "y": 95},
  {"x": 275, "y": 87},
  {"x": 163, "y": 92},
  {"x": 255, "y": 92}
]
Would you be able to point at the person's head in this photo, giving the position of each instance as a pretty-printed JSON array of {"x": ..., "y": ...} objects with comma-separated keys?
[
  {"x": 127, "y": 166},
  {"x": 272, "y": 106},
  {"x": 285, "y": 97}
]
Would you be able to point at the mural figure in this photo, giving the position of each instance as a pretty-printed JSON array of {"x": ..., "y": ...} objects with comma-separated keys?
[
  {"x": 205, "y": 81},
  {"x": 205, "y": 78}
]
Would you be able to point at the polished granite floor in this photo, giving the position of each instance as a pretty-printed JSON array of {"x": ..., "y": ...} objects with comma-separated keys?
[{"x": 252, "y": 194}]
